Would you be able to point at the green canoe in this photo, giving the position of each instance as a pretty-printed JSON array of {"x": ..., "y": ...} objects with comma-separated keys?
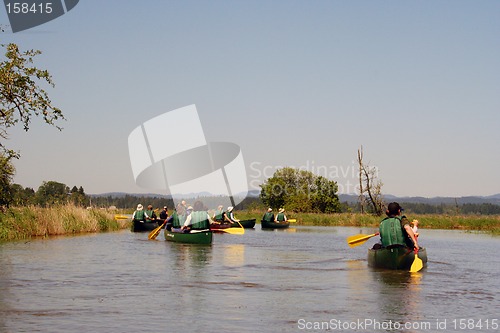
[
  {"x": 138, "y": 226},
  {"x": 395, "y": 258},
  {"x": 274, "y": 225},
  {"x": 247, "y": 224},
  {"x": 194, "y": 237}
]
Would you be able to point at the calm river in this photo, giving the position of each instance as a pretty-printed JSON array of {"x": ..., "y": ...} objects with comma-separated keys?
[{"x": 304, "y": 279}]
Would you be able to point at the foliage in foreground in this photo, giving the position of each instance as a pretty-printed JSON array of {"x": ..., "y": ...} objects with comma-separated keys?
[
  {"x": 26, "y": 222},
  {"x": 21, "y": 95}
]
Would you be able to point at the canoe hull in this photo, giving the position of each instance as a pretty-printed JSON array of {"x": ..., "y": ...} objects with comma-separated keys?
[
  {"x": 274, "y": 225},
  {"x": 203, "y": 237},
  {"x": 395, "y": 258},
  {"x": 247, "y": 224},
  {"x": 218, "y": 228},
  {"x": 143, "y": 227}
]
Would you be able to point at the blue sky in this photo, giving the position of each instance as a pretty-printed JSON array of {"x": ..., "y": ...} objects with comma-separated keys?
[{"x": 293, "y": 83}]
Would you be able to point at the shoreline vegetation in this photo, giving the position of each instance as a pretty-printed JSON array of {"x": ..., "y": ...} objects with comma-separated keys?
[
  {"x": 30, "y": 222},
  {"x": 480, "y": 223}
]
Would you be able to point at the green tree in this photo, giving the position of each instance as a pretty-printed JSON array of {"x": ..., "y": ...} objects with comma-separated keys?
[
  {"x": 300, "y": 191},
  {"x": 21, "y": 100},
  {"x": 52, "y": 193},
  {"x": 324, "y": 196},
  {"x": 21, "y": 97},
  {"x": 78, "y": 196},
  {"x": 22, "y": 196},
  {"x": 7, "y": 172}
]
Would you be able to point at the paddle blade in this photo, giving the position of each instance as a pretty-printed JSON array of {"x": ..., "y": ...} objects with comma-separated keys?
[
  {"x": 234, "y": 231},
  {"x": 359, "y": 239},
  {"x": 417, "y": 264},
  {"x": 153, "y": 234},
  {"x": 292, "y": 220},
  {"x": 121, "y": 217}
]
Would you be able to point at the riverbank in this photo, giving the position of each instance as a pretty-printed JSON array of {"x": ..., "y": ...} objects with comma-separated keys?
[
  {"x": 27, "y": 222},
  {"x": 484, "y": 223}
]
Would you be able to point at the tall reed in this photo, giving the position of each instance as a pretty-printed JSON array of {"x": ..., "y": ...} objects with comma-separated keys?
[{"x": 33, "y": 221}]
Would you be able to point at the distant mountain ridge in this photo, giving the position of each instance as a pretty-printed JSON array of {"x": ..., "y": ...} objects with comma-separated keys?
[{"x": 491, "y": 199}]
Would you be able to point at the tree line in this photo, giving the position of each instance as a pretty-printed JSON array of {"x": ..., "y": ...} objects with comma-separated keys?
[{"x": 50, "y": 193}]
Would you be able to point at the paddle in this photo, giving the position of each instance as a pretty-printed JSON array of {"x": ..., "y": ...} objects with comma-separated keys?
[
  {"x": 292, "y": 220},
  {"x": 121, "y": 217},
  {"x": 417, "y": 263},
  {"x": 359, "y": 239},
  {"x": 234, "y": 231},
  {"x": 153, "y": 234},
  {"x": 240, "y": 229}
]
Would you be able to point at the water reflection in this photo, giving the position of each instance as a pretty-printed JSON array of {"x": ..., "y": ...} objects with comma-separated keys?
[
  {"x": 234, "y": 255},
  {"x": 400, "y": 296},
  {"x": 280, "y": 230},
  {"x": 259, "y": 282},
  {"x": 189, "y": 258}
]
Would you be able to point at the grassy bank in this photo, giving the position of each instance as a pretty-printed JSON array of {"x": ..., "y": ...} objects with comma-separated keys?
[
  {"x": 487, "y": 223},
  {"x": 27, "y": 222}
]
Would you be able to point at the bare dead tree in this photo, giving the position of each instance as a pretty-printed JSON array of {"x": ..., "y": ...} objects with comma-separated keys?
[
  {"x": 361, "y": 197},
  {"x": 370, "y": 187}
]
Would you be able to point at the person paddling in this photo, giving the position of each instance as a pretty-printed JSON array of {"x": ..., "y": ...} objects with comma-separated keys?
[
  {"x": 139, "y": 214},
  {"x": 229, "y": 215},
  {"x": 395, "y": 229},
  {"x": 198, "y": 218},
  {"x": 268, "y": 216},
  {"x": 150, "y": 214},
  {"x": 281, "y": 217},
  {"x": 218, "y": 216}
]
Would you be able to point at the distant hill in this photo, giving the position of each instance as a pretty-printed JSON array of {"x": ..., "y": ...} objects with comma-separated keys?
[
  {"x": 349, "y": 198},
  {"x": 492, "y": 199}
]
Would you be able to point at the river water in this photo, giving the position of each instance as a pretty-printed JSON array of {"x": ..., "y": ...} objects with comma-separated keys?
[{"x": 304, "y": 279}]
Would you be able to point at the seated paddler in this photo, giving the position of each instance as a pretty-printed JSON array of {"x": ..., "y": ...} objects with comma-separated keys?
[
  {"x": 139, "y": 214},
  {"x": 218, "y": 216},
  {"x": 395, "y": 229},
  {"x": 198, "y": 219},
  {"x": 176, "y": 220},
  {"x": 268, "y": 216},
  {"x": 281, "y": 217},
  {"x": 229, "y": 215}
]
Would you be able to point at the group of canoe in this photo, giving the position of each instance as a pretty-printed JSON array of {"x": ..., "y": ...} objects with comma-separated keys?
[
  {"x": 224, "y": 222},
  {"x": 246, "y": 224},
  {"x": 397, "y": 257}
]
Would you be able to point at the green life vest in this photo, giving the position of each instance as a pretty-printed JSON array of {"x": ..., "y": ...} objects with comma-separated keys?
[
  {"x": 280, "y": 217},
  {"x": 391, "y": 232},
  {"x": 268, "y": 217},
  {"x": 219, "y": 215},
  {"x": 177, "y": 220},
  {"x": 139, "y": 215},
  {"x": 151, "y": 213},
  {"x": 199, "y": 220}
]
